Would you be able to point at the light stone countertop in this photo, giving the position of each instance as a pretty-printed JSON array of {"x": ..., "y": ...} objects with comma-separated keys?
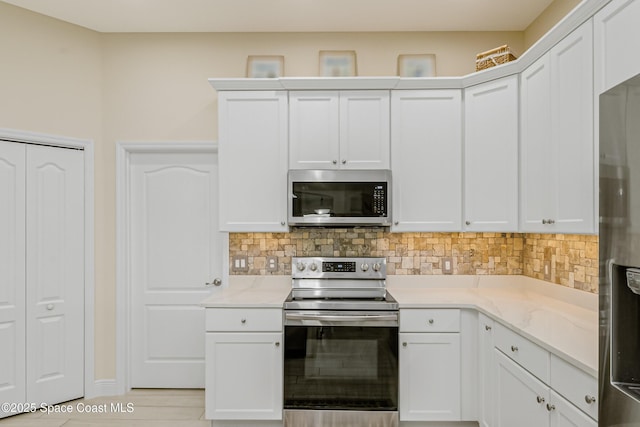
[{"x": 563, "y": 321}]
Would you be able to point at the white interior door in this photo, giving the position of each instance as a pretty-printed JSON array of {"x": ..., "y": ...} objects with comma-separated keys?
[
  {"x": 175, "y": 252},
  {"x": 12, "y": 274},
  {"x": 55, "y": 274}
]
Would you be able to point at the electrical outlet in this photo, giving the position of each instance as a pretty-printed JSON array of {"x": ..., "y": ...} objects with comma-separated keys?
[
  {"x": 447, "y": 265},
  {"x": 547, "y": 270},
  {"x": 272, "y": 264},
  {"x": 240, "y": 263}
]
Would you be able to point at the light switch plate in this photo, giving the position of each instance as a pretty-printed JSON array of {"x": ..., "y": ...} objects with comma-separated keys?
[
  {"x": 240, "y": 263},
  {"x": 272, "y": 264}
]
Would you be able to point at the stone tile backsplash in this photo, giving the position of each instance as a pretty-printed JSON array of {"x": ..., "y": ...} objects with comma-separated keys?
[{"x": 571, "y": 260}]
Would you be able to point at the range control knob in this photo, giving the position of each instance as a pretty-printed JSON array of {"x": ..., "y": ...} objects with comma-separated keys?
[
  {"x": 376, "y": 266},
  {"x": 364, "y": 267},
  {"x": 313, "y": 267},
  {"x": 300, "y": 266}
]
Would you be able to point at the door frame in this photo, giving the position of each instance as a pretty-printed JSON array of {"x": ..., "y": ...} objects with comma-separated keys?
[
  {"x": 92, "y": 387},
  {"x": 124, "y": 150}
]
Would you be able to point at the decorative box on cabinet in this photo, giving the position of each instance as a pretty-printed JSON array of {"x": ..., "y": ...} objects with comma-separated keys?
[
  {"x": 491, "y": 156},
  {"x": 429, "y": 365},
  {"x": 244, "y": 375},
  {"x": 339, "y": 129},
  {"x": 253, "y": 160},
  {"x": 557, "y": 154},
  {"x": 426, "y": 160}
]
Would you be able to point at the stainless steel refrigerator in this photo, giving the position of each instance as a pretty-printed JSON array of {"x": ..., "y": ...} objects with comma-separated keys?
[{"x": 619, "y": 186}]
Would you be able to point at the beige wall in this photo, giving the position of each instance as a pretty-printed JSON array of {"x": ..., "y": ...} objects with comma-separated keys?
[
  {"x": 547, "y": 19},
  {"x": 62, "y": 79}
]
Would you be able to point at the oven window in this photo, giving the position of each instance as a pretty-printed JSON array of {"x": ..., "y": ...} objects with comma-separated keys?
[
  {"x": 341, "y": 368},
  {"x": 340, "y": 199}
]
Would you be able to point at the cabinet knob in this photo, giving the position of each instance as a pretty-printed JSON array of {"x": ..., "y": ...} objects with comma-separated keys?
[
  {"x": 540, "y": 399},
  {"x": 404, "y": 344},
  {"x": 430, "y": 321},
  {"x": 49, "y": 306},
  {"x": 282, "y": 223},
  {"x": 277, "y": 343},
  {"x": 396, "y": 223},
  {"x": 243, "y": 321},
  {"x": 335, "y": 162},
  {"x": 551, "y": 221},
  {"x": 487, "y": 327},
  {"x": 589, "y": 399},
  {"x": 514, "y": 348},
  {"x": 214, "y": 282},
  {"x": 344, "y": 162},
  {"x": 467, "y": 222},
  {"x": 551, "y": 407}
]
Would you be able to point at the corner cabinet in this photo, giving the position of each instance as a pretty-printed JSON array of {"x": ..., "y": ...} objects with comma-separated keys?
[
  {"x": 426, "y": 160},
  {"x": 253, "y": 160},
  {"x": 491, "y": 156},
  {"x": 339, "y": 129},
  {"x": 557, "y": 155},
  {"x": 244, "y": 356}
]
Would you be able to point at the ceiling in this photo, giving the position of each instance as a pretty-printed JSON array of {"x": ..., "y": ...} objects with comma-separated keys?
[{"x": 291, "y": 15}]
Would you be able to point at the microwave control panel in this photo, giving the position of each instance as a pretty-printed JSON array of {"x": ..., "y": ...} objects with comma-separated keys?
[{"x": 379, "y": 200}]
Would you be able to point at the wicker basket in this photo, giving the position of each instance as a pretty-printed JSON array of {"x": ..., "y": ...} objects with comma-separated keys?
[{"x": 493, "y": 57}]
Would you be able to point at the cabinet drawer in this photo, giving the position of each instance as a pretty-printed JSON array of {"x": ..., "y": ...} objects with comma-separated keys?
[
  {"x": 243, "y": 319},
  {"x": 530, "y": 356},
  {"x": 430, "y": 320},
  {"x": 574, "y": 384}
]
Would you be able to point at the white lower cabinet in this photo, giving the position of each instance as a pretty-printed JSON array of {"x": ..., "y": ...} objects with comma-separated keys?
[
  {"x": 536, "y": 389},
  {"x": 244, "y": 376},
  {"x": 485, "y": 371},
  {"x": 429, "y": 365}
]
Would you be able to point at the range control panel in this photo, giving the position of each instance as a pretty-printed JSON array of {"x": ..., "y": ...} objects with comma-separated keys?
[{"x": 328, "y": 268}]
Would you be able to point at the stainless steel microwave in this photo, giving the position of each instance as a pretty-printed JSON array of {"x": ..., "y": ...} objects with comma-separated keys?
[{"x": 339, "y": 198}]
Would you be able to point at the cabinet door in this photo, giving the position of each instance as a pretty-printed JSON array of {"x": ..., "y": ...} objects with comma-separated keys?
[
  {"x": 12, "y": 274},
  {"x": 426, "y": 129},
  {"x": 564, "y": 414},
  {"x": 243, "y": 376},
  {"x": 486, "y": 374},
  {"x": 537, "y": 177},
  {"x": 520, "y": 398},
  {"x": 572, "y": 132},
  {"x": 617, "y": 39},
  {"x": 364, "y": 129},
  {"x": 491, "y": 156},
  {"x": 314, "y": 130},
  {"x": 430, "y": 377},
  {"x": 253, "y": 161}
]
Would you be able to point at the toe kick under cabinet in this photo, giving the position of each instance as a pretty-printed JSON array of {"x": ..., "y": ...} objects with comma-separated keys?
[{"x": 244, "y": 354}]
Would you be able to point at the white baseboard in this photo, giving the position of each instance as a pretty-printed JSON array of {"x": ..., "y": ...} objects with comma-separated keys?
[{"x": 103, "y": 388}]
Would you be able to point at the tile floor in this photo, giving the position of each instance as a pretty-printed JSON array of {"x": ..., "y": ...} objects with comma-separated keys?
[{"x": 150, "y": 407}]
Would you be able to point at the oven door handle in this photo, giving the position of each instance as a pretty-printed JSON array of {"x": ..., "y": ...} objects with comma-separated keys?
[{"x": 390, "y": 319}]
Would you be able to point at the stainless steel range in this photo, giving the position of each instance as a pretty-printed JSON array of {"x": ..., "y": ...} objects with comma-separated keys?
[{"x": 341, "y": 344}]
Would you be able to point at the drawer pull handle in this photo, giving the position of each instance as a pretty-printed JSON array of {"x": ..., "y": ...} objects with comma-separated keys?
[
  {"x": 551, "y": 407},
  {"x": 589, "y": 399},
  {"x": 243, "y": 321},
  {"x": 487, "y": 327},
  {"x": 540, "y": 399},
  {"x": 431, "y": 321},
  {"x": 514, "y": 348}
]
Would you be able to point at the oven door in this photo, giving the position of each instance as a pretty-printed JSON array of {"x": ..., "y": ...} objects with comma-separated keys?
[{"x": 341, "y": 361}]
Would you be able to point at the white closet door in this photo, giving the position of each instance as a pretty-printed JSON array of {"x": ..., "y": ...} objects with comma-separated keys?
[
  {"x": 55, "y": 274},
  {"x": 175, "y": 251},
  {"x": 12, "y": 275}
]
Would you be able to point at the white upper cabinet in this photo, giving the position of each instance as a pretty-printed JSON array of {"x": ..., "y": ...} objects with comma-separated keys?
[
  {"x": 426, "y": 134},
  {"x": 557, "y": 154},
  {"x": 491, "y": 156},
  {"x": 253, "y": 160},
  {"x": 617, "y": 42},
  {"x": 339, "y": 129}
]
